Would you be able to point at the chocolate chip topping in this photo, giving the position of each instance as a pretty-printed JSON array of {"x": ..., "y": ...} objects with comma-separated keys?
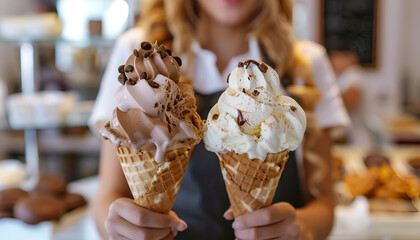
[
  {"x": 241, "y": 119},
  {"x": 156, "y": 105},
  {"x": 162, "y": 48},
  {"x": 178, "y": 60},
  {"x": 122, "y": 78},
  {"x": 153, "y": 84},
  {"x": 129, "y": 68},
  {"x": 136, "y": 53},
  {"x": 146, "y": 45},
  {"x": 169, "y": 52},
  {"x": 256, "y": 93},
  {"x": 121, "y": 69},
  {"x": 215, "y": 116},
  {"x": 227, "y": 79},
  {"x": 143, "y": 75},
  {"x": 243, "y": 90},
  {"x": 152, "y": 62},
  {"x": 162, "y": 54},
  {"x": 131, "y": 81},
  {"x": 263, "y": 67},
  {"x": 146, "y": 55},
  {"x": 293, "y": 108},
  {"x": 248, "y": 62}
]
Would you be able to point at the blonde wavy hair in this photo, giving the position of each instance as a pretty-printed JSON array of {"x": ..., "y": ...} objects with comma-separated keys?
[{"x": 171, "y": 22}]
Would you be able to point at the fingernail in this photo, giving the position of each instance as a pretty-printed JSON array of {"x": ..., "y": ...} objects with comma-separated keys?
[
  {"x": 181, "y": 225},
  {"x": 236, "y": 225}
]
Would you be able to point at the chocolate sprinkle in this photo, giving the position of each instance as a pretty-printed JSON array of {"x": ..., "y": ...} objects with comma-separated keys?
[
  {"x": 129, "y": 68},
  {"x": 227, "y": 79},
  {"x": 121, "y": 69},
  {"x": 136, "y": 53},
  {"x": 241, "y": 119},
  {"x": 178, "y": 60},
  {"x": 146, "y": 45},
  {"x": 131, "y": 81},
  {"x": 215, "y": 116},
  {"x": 240, "y": 64},
  {"x": 243, "y": 90},
  {"x": 153, "y": 84},
  {"x": 156, "y": 105},
  {"x": 122, "y": 78},
  {"x": 293, "y": 108},
  {"x": 263, "y": 67},
  {"x": 143, "y": 75},
  {"x": 255, "y": 93}
]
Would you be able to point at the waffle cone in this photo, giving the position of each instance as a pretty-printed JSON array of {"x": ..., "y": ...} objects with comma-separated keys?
[
  {"x": 154, "y": 185},
  {"x": 251, "y": 183}
]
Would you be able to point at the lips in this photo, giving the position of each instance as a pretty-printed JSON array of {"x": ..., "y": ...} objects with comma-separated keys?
[{"x": 232, "y": 1}]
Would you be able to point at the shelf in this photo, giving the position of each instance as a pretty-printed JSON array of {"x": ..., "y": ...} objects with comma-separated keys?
[{"x": 93, "y": 40}]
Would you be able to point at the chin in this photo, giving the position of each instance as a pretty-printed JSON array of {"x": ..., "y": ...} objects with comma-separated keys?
[{"x": 230, "y": 12}]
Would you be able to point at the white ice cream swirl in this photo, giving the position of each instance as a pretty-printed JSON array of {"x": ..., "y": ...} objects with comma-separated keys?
[{"x": 252, "y": 117}]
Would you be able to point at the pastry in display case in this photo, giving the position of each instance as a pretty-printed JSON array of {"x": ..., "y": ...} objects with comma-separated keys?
[
  {"x": 386, "y": 188},
  {"x": 49, "y": 208}
]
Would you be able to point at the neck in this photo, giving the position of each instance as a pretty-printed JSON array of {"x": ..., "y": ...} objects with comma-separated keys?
[{"x": 224, "y": 41}]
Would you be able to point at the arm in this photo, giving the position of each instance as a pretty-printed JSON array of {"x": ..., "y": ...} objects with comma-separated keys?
[
  {"x": 117, "y": 216},
  {"x": 322, "y": 206},
  {"x": 351, "y": 97}
]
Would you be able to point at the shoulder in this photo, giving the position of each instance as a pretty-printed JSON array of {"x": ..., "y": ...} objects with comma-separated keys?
[
  {"x": 131, "y": 38},
  {"x": 309, "y": 49}
]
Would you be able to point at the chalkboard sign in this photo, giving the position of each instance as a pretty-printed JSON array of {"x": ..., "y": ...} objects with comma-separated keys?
[{"x": 350, "y": 25}]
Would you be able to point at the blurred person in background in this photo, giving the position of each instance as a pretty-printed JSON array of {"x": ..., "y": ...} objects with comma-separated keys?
[
  {"x": 212, "y": 37},
  {"x": 350, "y": 81}
]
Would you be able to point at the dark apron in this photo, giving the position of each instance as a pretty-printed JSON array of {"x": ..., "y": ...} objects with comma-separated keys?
[{"x": 202, "y": 198}]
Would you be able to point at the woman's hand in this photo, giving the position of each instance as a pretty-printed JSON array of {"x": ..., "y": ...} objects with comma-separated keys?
[
  {"x": 279, "y": 221},
  {"x": 126, "y": 220}
]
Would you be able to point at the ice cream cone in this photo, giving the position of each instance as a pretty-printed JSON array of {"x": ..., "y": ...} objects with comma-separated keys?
[
  {"x": 154, "y": 185},
  {"x": 251, "y": 183}
]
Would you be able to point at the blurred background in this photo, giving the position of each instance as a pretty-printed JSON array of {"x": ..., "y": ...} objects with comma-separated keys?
[{"x": 53, "y": 54}]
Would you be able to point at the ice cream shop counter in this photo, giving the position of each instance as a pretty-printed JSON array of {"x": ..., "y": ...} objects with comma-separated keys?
[{"x": 359, "y": 217}]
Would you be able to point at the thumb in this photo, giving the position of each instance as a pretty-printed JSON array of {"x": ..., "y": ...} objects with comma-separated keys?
[{"x": 178, "y": 223}]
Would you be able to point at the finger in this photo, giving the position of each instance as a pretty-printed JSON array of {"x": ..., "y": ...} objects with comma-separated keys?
[
  {"x": 265, "y": 216},
  {"x": 283, "y": 229},
  {"x": 168, "y": 237},
  {"x": 228, "y": 215},
  {"x": 174, "y": 232},
  {"x": 183, "y": 225},
  {"x": 118, "y": 237},
  {"x": 127, "y": 210},
  {"x": 131, "y": 231}
]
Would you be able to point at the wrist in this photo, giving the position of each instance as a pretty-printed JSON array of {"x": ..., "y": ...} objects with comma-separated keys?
[{"x": 305, "y": 232}]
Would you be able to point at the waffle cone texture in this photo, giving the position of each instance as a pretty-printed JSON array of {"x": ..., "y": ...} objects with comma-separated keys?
[
  {"x": 153, "y": 185},
  {"x": 251, "y": 183}
]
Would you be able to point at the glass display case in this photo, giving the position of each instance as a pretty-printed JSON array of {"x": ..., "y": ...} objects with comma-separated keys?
[{"x": 76, "y": 43}]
